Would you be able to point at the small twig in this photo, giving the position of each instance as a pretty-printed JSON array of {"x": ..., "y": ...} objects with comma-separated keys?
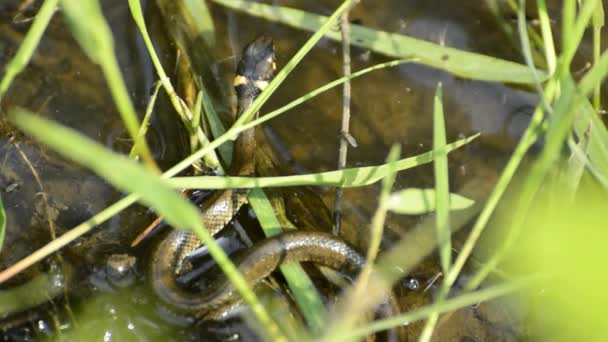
[
  {"x": 432, "y": 281},
  {"x": 47, "y": 207},
  {"x": 345, "y": 136},
  {"x": 146, "y": 231},
  {"x": 52, "y": 231}
]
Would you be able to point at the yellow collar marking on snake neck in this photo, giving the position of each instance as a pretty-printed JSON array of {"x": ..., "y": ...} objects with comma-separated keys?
[{"x": 240, "y": 80}]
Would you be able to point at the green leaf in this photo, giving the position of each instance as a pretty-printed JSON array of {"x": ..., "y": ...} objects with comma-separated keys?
[
  {"x": 461, "y": 63},
  {"x": 442, "y": 186},
  {"x": 217, "y": 128},
  {"x": 416, "y": 201}
]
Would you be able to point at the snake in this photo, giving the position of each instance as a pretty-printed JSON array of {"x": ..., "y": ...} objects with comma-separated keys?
[{"x": 254, "y": 72}]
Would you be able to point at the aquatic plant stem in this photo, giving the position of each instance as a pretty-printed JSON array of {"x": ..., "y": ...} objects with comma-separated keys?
[
  {"x": 442, "y": 201},
  {"x": 145, "y": 123},
  {"x": 344, "y": 131},
  {"x": 598, "y": 24}
]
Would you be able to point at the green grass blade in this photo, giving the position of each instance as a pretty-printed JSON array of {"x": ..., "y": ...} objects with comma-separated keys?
[
  {"x": 2, "y": 224},
  {"x": 458, "y": 62},
  {"x": 379, "y": 218},
  {"x": 588, "y": 123},
  {"x": 598, "y": 23},
  {"x": 573, "y": 28},
  {"x": 452, "y": 304},
  {"x": 28, "y": 46},
  {"x": 322, "y": 89},
  {"x": 300, "y": 284},
  {"x": 217, "y": 128},
  {"x": 182, "y": 110},
  {"x": 152, "y": 191},
  {"x": 131, "y": 178},
  {"x": 95, "y": 37},
  {"x": 414, "y": 201},
  {"x": 351, "y": 177},
  {"x": 526, "y": 49},
  {"x": 442, "y": 186},
  {"x": 548, "y": 44},
  {"x": 145, "y": 123},
  {"x": 203, "y": 22},
  {"x": 442, "y": 202},
  {"x": 568, "y": 15},
  {"x": 367, "y": 280},
  {"x": 595, "y": 75},
  {"x": 583, "y": 19}
]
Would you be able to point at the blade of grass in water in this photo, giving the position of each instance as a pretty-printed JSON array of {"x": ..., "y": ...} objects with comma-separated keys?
[
  {"x": 2, "y": 224},
  {"x": 598, "y": 24},
  {"x": 583, "y": 19},
  {"x": 423, "y": 201},
  {"x": 28, "y": 46},
  {"x": 449, "y": 305},
  {"x": 92, "y": 32},
  {"x": 548, "y": 45},
  {"x": 145, "y": 123},
  {"x": 589, "y": 123},
  {"x": 351, "y": 177},
  {"x": 377, "y": 224},
  {"x": 367, "y": 280},
  {"x": 203, "y": 21},
  {"x": 131, "y": 178},
  {"x": 300, "y": 284},
  {"x": 442, "y": 202},
  {"x": 135, "y": 179},
  {"x": 461, "y": 63},
  {"x": 442, "y": 188},
  {"x": 522, "y": 25},
  {"x": 217, "y": 128}
]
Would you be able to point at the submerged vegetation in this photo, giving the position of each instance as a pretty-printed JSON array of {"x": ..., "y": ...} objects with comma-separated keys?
[{"x": 550, "y": 203}]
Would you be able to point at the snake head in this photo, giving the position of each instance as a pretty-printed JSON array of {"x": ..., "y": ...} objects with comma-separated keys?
[{"x": 257, "y": 65}]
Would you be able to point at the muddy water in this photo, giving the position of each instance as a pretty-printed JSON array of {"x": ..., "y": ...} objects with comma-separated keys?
[{"x": 388, "y": 107}]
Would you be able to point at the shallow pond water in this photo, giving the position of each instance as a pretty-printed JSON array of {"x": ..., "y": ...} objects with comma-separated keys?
[{"x": 391, "y": 106}]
